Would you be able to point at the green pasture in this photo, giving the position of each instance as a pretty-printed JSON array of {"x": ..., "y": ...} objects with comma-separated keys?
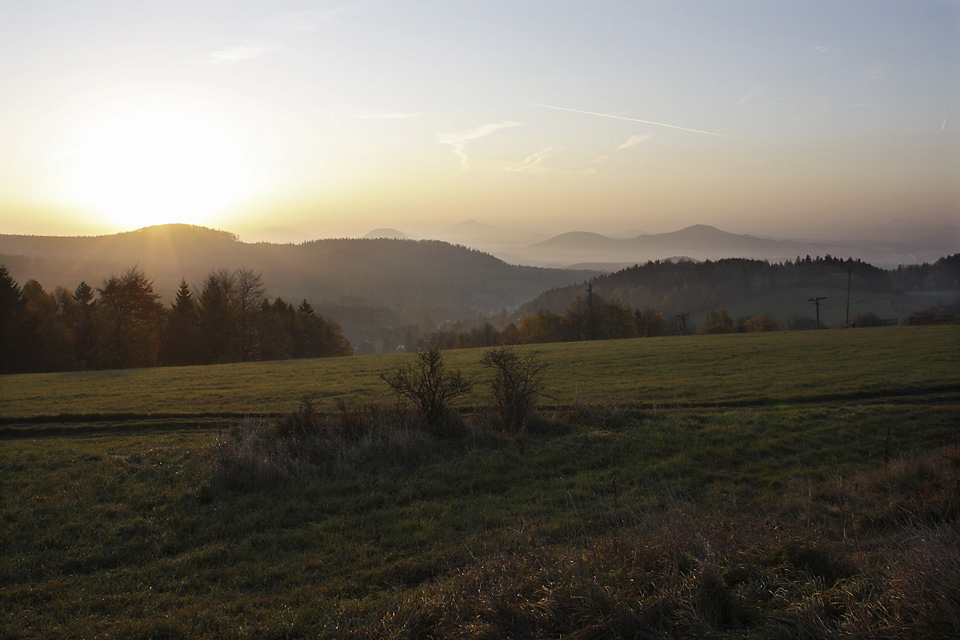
[
  {"x": 740, "y": 486},
  {"x": 694, "y": 370}
]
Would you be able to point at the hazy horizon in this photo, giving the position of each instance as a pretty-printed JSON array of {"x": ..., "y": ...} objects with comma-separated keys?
[{"x": 336, "y": 118}]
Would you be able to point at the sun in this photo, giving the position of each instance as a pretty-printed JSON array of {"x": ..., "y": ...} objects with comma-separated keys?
[{"x": 158, "y": 165}]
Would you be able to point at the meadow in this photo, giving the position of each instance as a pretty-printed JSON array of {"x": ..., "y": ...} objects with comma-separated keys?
[
  {"x": 794, "y": 485},
  {"x": 706, "y": 370}
]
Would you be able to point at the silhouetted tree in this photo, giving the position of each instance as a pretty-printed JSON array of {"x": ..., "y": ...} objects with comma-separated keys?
[
  {"x": 82, "y": 325},
  {"x": 486, "y": 335},
  {"x": 247, "y": 299},
  {"x": 614, "y": 321},
  {"x": 18, "y": 336},
  {"x": 181, "y": 341},
  {"x": 129, "y": 320},
  {"x": 218, "y": 327}
]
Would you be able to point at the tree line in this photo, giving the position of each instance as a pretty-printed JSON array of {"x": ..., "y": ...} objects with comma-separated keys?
[
  {"x": 592, "y": 318},
  {"x": 675, "y": 287},
  {"x": 123, "y": 324}
]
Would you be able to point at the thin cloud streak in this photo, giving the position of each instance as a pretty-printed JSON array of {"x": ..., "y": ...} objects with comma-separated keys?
[
  {"x": 748, "y": 96},
  {"x": 459, "y": 140},
  {"x": 608, "y": 115},
  {"x": 634, "y": 141},
  {"x": 531, "y": 161},
  {"x": 274, "y": 31}
]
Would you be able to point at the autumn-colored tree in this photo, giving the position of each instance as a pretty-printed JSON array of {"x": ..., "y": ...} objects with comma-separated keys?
[
  {"x": 766, "y": 322},
  {"x": 543, "y": 326},
  {"x": 578, "y": 322},
  {"x": 129, "y": 321},
  {"x": 651, "y": 324},
  {"x": 615, "y": 321},
  {"x": 510, "y": 335},
  {"x": 718, "y": 321},
  {"x": 54, "y": 347}
]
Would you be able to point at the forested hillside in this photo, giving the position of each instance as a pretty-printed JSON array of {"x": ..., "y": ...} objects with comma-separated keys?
[
  {"x": 408, "y": 277},
  {"x": 122, "y": 324},
  {"x": 754, "y": 287}
]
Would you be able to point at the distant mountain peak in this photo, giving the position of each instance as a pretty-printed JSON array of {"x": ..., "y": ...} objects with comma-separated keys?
[
  {"x": 182, "y": 230},
  {"x": 386, "y": 233},
  {"x": 701, "y": 229}
]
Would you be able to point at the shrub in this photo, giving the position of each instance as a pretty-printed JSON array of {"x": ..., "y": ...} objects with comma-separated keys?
[
  {"x": 430, "y": 387},
  {"x": 259, "y": 452},
  {"x": 517, "y": 382}
]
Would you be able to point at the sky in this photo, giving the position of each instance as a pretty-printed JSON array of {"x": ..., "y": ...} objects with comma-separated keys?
[{"x": 334, "y": 118}]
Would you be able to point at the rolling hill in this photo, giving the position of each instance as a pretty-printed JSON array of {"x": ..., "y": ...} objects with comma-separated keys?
[
  {"x": 704, "y": 242},
  {"x": 408, "y": 277}
]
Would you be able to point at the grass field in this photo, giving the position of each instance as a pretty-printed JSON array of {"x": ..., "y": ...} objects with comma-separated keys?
[
  {"x": 793, "y": 485},
  {"x": 743, "y": 368}
]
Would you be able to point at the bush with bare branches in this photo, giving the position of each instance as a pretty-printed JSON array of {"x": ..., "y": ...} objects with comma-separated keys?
[
  {"x": 429, "y": 386},
  {"x": 516, "y": 384}
]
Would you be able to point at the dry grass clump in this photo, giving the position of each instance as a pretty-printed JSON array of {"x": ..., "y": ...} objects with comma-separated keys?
[
  {"x": 682, "y": 571},
  {"x": 260, "y": 452}
]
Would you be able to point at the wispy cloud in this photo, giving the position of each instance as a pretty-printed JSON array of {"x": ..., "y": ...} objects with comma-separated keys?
[
  {"x": 237, "y": 54},
  {"x": 609, "y": 115},
  {"x": 745, "y": 98},
  {"x": 531, "y": 162},
  {"x": 826, "y": 50},
  {"x": 272, "y": 34},
  {"x": 391, "y": 116},
  {"x": 459, "y": 140},
  {"x": 634, "y": 141}
]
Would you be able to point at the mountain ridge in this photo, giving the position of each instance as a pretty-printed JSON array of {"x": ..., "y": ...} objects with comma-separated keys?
[{"x": 406, "y": 276}]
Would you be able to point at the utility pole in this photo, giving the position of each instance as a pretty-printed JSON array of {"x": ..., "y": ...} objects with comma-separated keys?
[
  {"x": 590, "y": 312},
  {"x": 846, "y": 322},
  {"x": 816, "y": 301},
  {"x": 683, "y": 323}
]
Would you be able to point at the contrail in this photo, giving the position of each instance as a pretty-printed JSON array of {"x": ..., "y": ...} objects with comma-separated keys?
[
  {"x": 334, "y": 121},
  {"x": 607, "y": 115}
]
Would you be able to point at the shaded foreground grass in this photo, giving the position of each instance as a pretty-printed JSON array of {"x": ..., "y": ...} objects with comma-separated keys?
[
  {"x": 713, "y": 370},
  {"x": 778, "y": 521}
]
